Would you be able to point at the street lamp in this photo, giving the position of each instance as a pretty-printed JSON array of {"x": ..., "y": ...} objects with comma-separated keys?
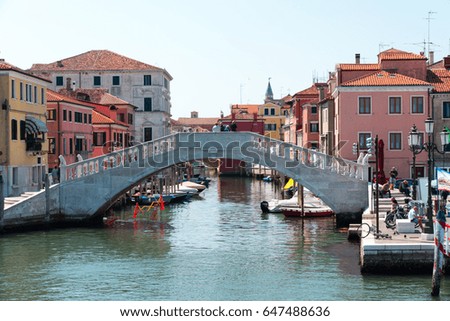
[{"x": 417, "y": 146}]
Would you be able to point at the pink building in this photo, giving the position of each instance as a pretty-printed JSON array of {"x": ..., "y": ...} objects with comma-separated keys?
[
  {"x": 384, "y": 101},
  {"x": 109, "y": 134},
  {"x": 69, "y": 123}
]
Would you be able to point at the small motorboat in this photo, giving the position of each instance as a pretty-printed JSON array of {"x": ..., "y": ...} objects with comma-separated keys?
[
  {"x": 189, "y": 184},
  {"x": 309, "y": 210},
  {"x": 274, "y": 206}
]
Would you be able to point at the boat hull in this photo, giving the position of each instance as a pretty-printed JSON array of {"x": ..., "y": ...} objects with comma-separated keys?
[{"x": 314, "y": 212}]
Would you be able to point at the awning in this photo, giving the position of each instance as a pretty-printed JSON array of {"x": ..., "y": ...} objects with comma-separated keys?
[{"x": 34, "y": 125}]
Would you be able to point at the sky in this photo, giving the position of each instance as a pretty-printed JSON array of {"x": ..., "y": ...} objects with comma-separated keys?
[{"x": 223, "y": 52}]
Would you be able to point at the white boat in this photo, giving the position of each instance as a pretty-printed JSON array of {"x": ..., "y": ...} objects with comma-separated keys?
[
  {"x": 188, "y": 184},
  {"x": 275, "y": 205}
]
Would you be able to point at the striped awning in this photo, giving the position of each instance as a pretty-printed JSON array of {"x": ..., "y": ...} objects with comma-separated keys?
[{"x": 34, "y": 125}]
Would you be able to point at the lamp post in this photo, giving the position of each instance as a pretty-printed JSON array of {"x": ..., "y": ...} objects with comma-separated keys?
[{"x": 417, "y": 146}]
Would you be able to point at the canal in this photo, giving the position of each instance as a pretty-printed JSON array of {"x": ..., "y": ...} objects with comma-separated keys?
[{"x": 219, "y": 246}]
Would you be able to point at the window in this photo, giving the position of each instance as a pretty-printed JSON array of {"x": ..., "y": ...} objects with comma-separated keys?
[
  {"x": 70, "y": 115},
  {"x": 78, "y": 145},
  {"x": 42, "y": 96},
  {"x": 13, "y": 129},
  {"x": 70, "y": 146},
  {"x": 272, "y": 111},
  {"x": 97, "y": 81},
  {"x": 147, "y": 134},
  {"x": 13, "y": 88},
  {"x": 270, "y": 127},
  {"x": 166, "y": 83},
  {"x": 78, "y": 117},
  {"x": 314, "y": 127},
  {"x": 116, "y": 81},
  {"x": 121, "y": 117},
  {"x": 90, "y": 118},
  {"x": 85, "y": 120},
  {"x": 395, "y": 141},
  {"x": 446, "y": 109},
  {"x": 64, "y": 146},
  {"x": 99, "y": 138},
  {"x": 417, "y": 105},
  {"x": 147, "y": 104},
  {"x": 35, "y": 95},
  {"x": 52, "y": 114},
  {"x": 266, "y": 111},
  {"x": 22, "y": 130},
  {"x": 362, "y": 139},
  {"x": 147, "y": 80},
  {"x": 64, "y": 115},
  {"x": 51, "y": 145},
  {"x": 364, "y": 105},
  {"x": 59, "y": 81},
  {"x": 395, "y": 105},
  {"x": 313, "y": 109},
  {"x": 130, "y": 119},
  {"x": 21, "y": 91},
  {"x": 15, "y": 176}
]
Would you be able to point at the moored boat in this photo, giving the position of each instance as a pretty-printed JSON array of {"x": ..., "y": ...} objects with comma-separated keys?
[{"x": 309, "y": 210}]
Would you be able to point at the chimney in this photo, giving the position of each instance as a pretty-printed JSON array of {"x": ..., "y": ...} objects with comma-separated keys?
[
  {"x": 357, "y": 58},
  {"x": 69, "y": 84},
  {"x": 59, "y": 63},
  {"x": 447, "y": 62},
  {"x": 2, "y": 60},
  {"x": 431, "y": 58},
  {"x": 194, "y": 114}
]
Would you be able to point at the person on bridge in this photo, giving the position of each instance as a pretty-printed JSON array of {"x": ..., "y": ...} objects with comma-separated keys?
[
  {"x": 233, "y": 126},
  {"x": 216, "y": 128}
]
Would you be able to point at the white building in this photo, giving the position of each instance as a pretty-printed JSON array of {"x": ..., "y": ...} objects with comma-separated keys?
[{"x": 140, "y": 84}]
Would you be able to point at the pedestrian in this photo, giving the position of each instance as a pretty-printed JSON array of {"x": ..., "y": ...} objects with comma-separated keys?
[
  {"x": 222, "y": 127},
  {"x": 55, "y": 175},
  {"x": 404, "y": 188},
  {"x": 385, "y": 190},
  {"x": 392, "y": 177},
  {"x": 233, "y": 126},
  {"x": 394, "y": 204},
  {"x": 216, "y": 128},
  {"x": 414, "y": 217}
]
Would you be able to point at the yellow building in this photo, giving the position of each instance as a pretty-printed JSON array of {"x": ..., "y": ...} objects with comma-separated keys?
[
  {"x": 273, "y": 120},
  {"x": 23, "y": 147}
]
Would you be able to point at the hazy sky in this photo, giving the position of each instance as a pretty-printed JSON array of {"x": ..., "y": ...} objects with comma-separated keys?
[{"x": 222, "y": 52}]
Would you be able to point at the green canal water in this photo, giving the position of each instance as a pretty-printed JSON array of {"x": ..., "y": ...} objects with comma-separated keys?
[{"x": 219, "y": 246}]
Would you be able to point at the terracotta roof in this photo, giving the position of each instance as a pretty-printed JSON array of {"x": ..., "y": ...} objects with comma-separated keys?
[
  {"x": 356, "y": 67},
  {"x": 98, "y": 118},
  {"x": 395, "y": 54},
  {"x": 95, "y": 60},
  {"x": 440, "y": 79},
  {"x": 383, "y": 78},
  {"x": 108, "y": 99},
  {"x": 308, "y": 91},
  {"x": 6, "y": 66},
  {"x": 252, "y": 108},
  {"x": 188, "y": 121},
  {"x": 59, "y": 97}
]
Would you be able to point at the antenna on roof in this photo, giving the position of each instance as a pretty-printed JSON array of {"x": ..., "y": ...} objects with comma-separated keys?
[
  {"x": 382, "y": 45},
  {"x": 429, "y": 22}
]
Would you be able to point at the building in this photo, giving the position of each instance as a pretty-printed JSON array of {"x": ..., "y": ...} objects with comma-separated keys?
[
  {"x": 108, "y": 133},
  {"x": 23, "y": 147},
  {"x": 383, "y": 100},
  {"x": 140, "y": 84},
  {"x": 194, "y": 123},
  {"x": 439, "y": 77}
]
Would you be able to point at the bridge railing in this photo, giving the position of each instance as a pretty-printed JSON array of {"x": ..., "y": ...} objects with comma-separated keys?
[
  {"x": 292, "y": 154},
  {"x": 119, "y": 158},
  {"x": 310, "y": 157}
]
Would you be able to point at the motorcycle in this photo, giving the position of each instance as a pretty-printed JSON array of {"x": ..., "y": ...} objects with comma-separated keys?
[{"x": 399, "y": 213}]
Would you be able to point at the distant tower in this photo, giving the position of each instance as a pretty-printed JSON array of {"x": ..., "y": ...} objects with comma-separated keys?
[{"x": 269, "y": 93}]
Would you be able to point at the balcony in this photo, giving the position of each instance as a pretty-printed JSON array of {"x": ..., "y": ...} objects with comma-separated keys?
[{"x": 34, "y": 145}]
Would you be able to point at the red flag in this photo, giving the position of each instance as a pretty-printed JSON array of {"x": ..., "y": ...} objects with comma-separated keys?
[
  {"x": 161, "y": 202},
  {"x": 136, "y": 210}
]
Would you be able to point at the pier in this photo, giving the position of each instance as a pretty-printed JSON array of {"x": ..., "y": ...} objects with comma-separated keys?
[{"x": 409, "y": 252}]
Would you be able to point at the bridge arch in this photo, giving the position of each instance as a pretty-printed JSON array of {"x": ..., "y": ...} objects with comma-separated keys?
[{"x": 90, "y": 186}]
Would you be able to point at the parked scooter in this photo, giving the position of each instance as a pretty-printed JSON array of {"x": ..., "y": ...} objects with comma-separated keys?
[{"x": 399, "y": 213}]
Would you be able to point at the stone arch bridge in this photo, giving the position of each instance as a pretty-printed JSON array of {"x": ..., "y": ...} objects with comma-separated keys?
[{"x": 91, "y": 186}]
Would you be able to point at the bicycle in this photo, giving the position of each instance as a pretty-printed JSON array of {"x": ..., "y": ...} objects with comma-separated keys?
[{"x": 365, "y": 229}]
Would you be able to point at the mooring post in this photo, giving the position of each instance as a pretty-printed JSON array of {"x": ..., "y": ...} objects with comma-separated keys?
[
  {"x": 2, "y": 201},
  {"x": 439, "y": 228},
  {"x": 47, "y": 199}
]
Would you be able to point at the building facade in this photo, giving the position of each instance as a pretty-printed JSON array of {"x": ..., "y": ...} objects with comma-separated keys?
[
  {"x": 70, "y": 128},
  {"x": 142, "y": 85},
  {"x": 23, "y": 147}
]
